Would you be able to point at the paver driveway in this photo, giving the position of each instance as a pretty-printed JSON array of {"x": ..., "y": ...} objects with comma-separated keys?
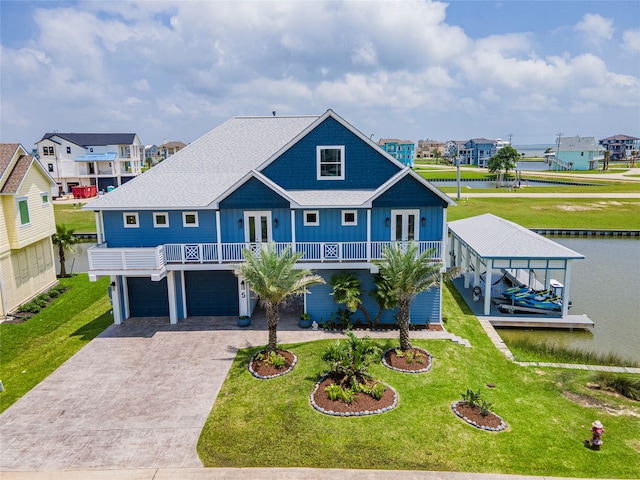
[{"x": 136, "y": 396}]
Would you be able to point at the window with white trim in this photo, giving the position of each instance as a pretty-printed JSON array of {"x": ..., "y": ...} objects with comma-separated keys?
[
  {"x": 45, "y": 198},
  {"x": 330, "y": 162},
  {"x": 160, "y": 220},
  {"x": 311, "y": 218},
  {"x": 189, "y": 219},
  {"x": 349, "y": 218},
  {"x": 131, "y": 220},
  {"x": 23, "y": 209}
]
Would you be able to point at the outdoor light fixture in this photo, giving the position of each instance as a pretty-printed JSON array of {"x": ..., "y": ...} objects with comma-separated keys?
[
  {"x": 242, "y": 284},
  {"x": 424, "y": 222},
  {"x": 275, "y": 223},
  {"x": 240, "y": 223},
  {"x": 387, "y": 221}
]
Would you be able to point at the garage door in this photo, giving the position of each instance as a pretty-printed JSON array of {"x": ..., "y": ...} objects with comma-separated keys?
[
  {"x": 147, "y": 298},
  {"x": 211, "y": 293}
]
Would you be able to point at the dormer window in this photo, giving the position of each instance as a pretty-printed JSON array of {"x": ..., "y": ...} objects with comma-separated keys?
[{"x": 330, "y": 162}]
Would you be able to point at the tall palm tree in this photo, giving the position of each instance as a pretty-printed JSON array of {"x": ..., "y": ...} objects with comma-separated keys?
[
  {"x": 408, "y": 273},
  {"x": 271, "y": 276},
  {"x": 64, "y": 239}
]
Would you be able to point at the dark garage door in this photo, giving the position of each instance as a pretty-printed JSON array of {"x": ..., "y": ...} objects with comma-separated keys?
[
  {"x": 211, "y": 293},
  {"x": 147, "y": 298}
]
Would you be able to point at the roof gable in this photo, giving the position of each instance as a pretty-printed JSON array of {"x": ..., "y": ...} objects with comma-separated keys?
[
  {"x": 93, "y": 139},
  {"x": 409, "y": 189}
]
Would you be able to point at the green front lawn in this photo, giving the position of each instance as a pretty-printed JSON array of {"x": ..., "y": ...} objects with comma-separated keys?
[
  {"x": 32, "y": 350},
  {"x": 81, "y": 221},
  {"x": 258, "y": 423}
]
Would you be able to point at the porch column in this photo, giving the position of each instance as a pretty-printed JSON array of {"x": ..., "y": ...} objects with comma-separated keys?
[
  {"x": 445, "y": 238},
  {"x": 368, "y": 234},
  {"x": 171, "y": 290},
  {"x": 467, "y": 264},
  {"x": 218, "y": 239},
  {"x": 458, "y": 252},
  {"x": 115, "y": 300},
  {"x": 125, "y": 297},
  {"x": 476, "y": 272},
  {"x": 98, "y": 229},
  {"x": 184, "y": 294},
  {"x": 565, "y": 291},
  {"x": 487, "y": 287},
  {"x": 293, "y": 230},
  {"x": 243, "y": 297}
]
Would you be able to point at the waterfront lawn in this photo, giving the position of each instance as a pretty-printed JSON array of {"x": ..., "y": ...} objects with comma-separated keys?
[
  {"x": 592, "y": 213},
  {"x": 258, "y": 423},
  {"x": 34, "y": 349},
  {"x": 81, "y": 221}
]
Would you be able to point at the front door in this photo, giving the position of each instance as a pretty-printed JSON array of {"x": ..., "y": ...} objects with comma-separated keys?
[
  {"x": 257, "y": 229},
  {"x": 404, "y": 225}
]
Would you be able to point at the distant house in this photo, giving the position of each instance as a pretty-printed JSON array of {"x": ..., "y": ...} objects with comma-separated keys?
[
  {"x": 165, "y": 150},
  {"x": 426, "y": 148},
  {"x": 402, "y": 150},
  {"x": 620, "y": 147},
  {"x": 314, "y": 184},
  {"x": 27, "y": 267},
  {"x": 481, "y": 150},
  {"x": 83, "y": 159},
  {"x": 579, "y": 153}
]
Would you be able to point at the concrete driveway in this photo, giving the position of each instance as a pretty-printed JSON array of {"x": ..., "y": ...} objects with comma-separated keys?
[{"x": 137, "y": 396}]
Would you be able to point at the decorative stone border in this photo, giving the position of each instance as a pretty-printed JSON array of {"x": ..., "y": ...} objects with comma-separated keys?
[
  {"x": 351, "y": 414},
  {"x": 425, "y": 369},
  {"x": 263, "y": 377},
  {"x": 499, "y": 428}
]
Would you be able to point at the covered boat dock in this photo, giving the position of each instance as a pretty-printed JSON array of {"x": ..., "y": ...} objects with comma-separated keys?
[{"x": 488, "y": 249}]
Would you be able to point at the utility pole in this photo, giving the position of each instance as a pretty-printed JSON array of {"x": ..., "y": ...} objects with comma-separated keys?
[
  {"x": 510, "y": 135},
  {"x": 558, "y": 150}
]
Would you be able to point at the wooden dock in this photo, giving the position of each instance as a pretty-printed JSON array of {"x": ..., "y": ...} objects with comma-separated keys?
[{"x": 533, "y": 321}]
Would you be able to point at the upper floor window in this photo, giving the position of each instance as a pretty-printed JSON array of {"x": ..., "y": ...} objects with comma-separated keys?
[
  {"x": 23, "y": 208},
  {"x": 330, "y": 162},
  {"x": 50, "y": 167},
  {"x": 349, "y": 218},
  {"x": 47, "y": 150},
  {"x": 68, "y": 150},
  {"x": 189, "y": 219},
  {"x": 45, "y": 198},
  {"x": 125, "y": 151},
  {"x": 131, "y": 220},
  {"x": 160, "y": 219}
]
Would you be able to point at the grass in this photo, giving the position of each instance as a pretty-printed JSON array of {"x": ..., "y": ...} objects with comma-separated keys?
[
  {"x": 271, "y": 423},
  {"x": 81, "y": 221},
  {"x": 623, "y": 384},
  {"x": 526, "y": 350},
  {"x": 34, "y": 349}
]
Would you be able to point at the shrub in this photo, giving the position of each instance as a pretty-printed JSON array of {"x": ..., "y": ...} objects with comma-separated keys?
[
  {"x": 351, "y": 359},
  {"x": 625, "y": 385},
  {"x": 272, "y": 358}
]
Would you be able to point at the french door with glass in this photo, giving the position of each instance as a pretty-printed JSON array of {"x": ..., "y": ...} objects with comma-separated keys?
[{"x": 404, "y": 225}]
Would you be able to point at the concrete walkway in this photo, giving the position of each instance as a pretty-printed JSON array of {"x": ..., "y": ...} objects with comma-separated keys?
[{"x": 137, "y": 396}]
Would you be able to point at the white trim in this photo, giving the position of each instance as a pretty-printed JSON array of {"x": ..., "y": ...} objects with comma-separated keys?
[
  {"x": 130, "y": 225},
  {"x": 190, "y": 225},
  {"x": 341, "y": 163},
  {"x": 26, "y": 200},
  {"x": 405, "y": 213},
  {"x": 257, "y": 214},
  {"x": 311, "y": 224},
  {"x": 155, "y": 220},
  {"x": 47, "y": 202},
  {"x": 125, "y": 297},
  {"x": 184, "y": 295},
  {"x": 346, "y": 223}
]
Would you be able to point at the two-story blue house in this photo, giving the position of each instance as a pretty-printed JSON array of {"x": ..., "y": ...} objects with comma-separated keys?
[
  {"x": 169, "y": 238},
  {"x": 402, "y": 150}
]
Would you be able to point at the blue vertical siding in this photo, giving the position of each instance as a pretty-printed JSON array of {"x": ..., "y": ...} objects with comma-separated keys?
[
  {"x": 233, "y": 232},
  {"x": 146, "y": 235},
  {"x": 425, "y": 308},
  {"x": 330, "y": 228},
  {"x": 296, "y": 169}
]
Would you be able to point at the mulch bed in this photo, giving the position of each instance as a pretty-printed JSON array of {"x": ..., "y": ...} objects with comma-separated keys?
[
  {"x": 358, "y": 325},
  {"x": 259, "y": 369},
  {"x": 491, "y": 422},
  {"x": 362, "y": 405},
  {"x": 421, "y": 363}
]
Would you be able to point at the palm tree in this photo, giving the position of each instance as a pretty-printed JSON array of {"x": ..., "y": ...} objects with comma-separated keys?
[
  {"x": 408, "y": 273},
  {"x": 273, "y": 278},
  {"x": 64, "y": 239}
]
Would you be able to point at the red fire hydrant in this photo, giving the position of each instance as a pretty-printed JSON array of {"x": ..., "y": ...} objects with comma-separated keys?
[{"x": 596, "y": 433}]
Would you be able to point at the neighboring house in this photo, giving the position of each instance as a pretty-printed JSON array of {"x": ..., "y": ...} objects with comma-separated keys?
[
  {"x": 83, "y": 159},
  {"x": 476, "y": 151},
  {"x": 578, "y": 153},
  {"x": 165, "y": 150},
  {"x": 426, "y": 148},
  {"x": 621, "y": 147},
  {"x": 402, "y": 150},
  {"x": 169, "y": 238},
  {"x": 27, "y": 267}
]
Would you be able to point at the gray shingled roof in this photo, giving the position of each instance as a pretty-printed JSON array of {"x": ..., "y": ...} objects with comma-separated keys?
[
  {"x": 331, "y": 198},
  {"x": 94, "y": 139},
  {"x": 494, "y": 237},
  {"x": 199, "y": 173}
]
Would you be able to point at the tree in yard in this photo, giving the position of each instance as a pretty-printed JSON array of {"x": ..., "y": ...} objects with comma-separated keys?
[
  {"x": 408, "y": 273},
  {"x": 271, "y": 276},
  {"x": 64, "y": 239},
  {"x": 505, "y": 159}
]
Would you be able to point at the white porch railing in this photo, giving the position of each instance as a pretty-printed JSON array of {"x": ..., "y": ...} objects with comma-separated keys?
[{"x": 125, "y": 258}]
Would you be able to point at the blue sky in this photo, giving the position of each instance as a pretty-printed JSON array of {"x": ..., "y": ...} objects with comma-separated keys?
[{"x": 407, "y": 69}]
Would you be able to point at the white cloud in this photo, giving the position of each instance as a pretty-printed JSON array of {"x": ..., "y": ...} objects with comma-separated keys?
[
  {"x": 631, "y": 40},
  {"x": 595, "y": 28}
]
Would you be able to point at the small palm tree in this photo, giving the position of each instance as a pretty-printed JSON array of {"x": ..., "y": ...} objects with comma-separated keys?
[
  {"x": 407, "y": 273},
  {"x": 273, "y": 278},
  {"x": 64, "y": 239}
]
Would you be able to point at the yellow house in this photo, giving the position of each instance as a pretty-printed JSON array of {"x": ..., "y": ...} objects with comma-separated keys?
[{"x": 27, "y": 223}]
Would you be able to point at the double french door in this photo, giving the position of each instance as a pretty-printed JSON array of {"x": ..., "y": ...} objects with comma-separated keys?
[
  {"x": 257, "y": 229},
  {"x": 405, "y": 225}
]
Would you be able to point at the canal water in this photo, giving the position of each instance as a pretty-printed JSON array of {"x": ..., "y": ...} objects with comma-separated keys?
[{"x": 604, "y": 286}]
